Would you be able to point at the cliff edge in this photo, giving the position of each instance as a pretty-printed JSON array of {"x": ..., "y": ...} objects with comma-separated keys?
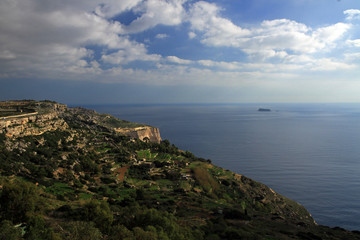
[{"x": 28, "y": 117}]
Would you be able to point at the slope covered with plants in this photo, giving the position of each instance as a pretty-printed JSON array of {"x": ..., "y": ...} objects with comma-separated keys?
[{"x": 88, "y": 181}]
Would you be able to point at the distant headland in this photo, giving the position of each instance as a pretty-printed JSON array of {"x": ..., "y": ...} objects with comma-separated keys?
[{"x": 264, "y": 110}]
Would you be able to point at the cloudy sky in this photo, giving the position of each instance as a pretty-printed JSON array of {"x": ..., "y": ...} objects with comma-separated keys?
[{"x": 180, "y": 51}]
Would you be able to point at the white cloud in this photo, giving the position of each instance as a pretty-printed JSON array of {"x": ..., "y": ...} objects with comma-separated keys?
[
  {"x": 355, "y": 43},
  {"x": 329, "y": 35},
  {"x": 273, "y": 38},
  {"x": 352, "y": 14},
  {"x": 110, "y": 8},
  {"x": 161, "y": 36},
  {"x": 217, "y": 31},
  {"x": 7, "y": 55},
  {"x": 154, "y": 12},
  {"x": 51, "y": 37},
  {"x": 130, "y": 54},
  {"x": 327, "y": 64},
  {"x": 175, "y": 59},
  {"x": 191, "y": 35},
  {"x": 67, "y": 39},
  {"x": 352, "y": 56}
]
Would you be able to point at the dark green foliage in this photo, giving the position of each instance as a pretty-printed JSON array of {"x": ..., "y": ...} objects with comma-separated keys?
[
  {"x": 166, "y": 147},
  {"x": 233, "y": 213},
  {"x": 162, "y": 224},
  {"x": 81, "y": 230},
  {"x": 139, "y": 171},
  {"x": 37, "y": 229},
  {"x": 173, "y": 175},
  {"x": 119, "y": 232},
  {"x": 99, "y": 213},
  {"x": 189, "y": 155},
  {"x": 18, "y": 200},
  {"x": 2, "y": 138},
  {"x": 8, "y": 231},
  {"x": 88, "y": 165}
]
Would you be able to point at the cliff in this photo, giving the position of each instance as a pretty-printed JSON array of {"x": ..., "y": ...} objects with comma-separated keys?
[
  {"x": 26, "y": 118},
  {"x": 145, "y": 133},
  {"x": 133, "y": 130}
]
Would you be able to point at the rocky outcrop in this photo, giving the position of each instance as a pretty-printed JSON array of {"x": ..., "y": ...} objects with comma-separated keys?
[
  {"x": 32, "y": 125},
  {"x": 26, "y": 118},
  {"x": 145, "y": 133}
]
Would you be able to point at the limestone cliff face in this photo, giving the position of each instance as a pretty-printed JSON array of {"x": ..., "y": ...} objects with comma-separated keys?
[
  {"x": 26, "y": 118},
  {"x": 31, "y": 124},
  {"x": 143, "y": 133}
]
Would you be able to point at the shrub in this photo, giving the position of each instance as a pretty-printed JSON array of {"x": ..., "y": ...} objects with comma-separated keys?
[
  {"x": 37, "y": 230},
  {"x": 83, "y": 231},
  {"x": 205, "y": 180},
  {"x": 8, "y": 231},
  {"x": 18, "y": 200}
]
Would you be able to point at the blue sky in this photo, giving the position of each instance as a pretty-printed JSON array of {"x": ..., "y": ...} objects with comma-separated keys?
[{"x": 180, "y": 51}]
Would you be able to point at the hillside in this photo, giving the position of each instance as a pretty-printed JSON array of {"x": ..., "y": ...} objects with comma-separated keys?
[{"x": 72, "y": 173}]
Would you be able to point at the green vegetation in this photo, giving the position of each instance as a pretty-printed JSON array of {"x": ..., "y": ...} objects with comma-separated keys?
[{"x": 88, "y": 182}]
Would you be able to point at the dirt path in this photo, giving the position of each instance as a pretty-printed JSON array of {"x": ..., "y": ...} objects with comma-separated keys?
[{"x": 120, "y": 172}]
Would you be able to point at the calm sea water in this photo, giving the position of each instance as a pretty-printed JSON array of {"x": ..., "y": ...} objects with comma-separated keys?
[{"x": 307, "y": 152}]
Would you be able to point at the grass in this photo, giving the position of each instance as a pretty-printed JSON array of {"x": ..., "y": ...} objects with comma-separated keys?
[
  {"x": 163, "y": 157},
  {"x": 165, "y": 182},
  {"x": 205, "y": 180},
  {"x": 59, "y": 189},
  {"x": 113, "y": 122},
  {"x": 84, "y": 196},
  {"x": 146, "y": 154}
]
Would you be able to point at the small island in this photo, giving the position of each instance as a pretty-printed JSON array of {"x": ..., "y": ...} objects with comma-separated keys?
[{"x": 264, "y": 110}]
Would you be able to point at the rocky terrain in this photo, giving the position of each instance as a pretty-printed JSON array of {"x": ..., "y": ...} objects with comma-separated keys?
[
  {"x": 86, "y": 175},
  {"x": 26, "y": 118}
]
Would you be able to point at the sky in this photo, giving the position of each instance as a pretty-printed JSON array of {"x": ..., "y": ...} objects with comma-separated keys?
[{"x": 180, "y": 51}]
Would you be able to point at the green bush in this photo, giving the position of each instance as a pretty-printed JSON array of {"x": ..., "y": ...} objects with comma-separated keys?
[
  {"x": 37, "y": 229},
  {"x": 205, "y": 180},
  {"x": 18, "y": 200},
  {"x": 99, "y": 213},
  {"x": 8, "y": 231},
  {"x": 80, "y": 230}
]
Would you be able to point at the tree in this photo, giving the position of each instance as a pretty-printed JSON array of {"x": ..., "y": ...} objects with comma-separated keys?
[
  {"x": 37, "y": 230},
  {"x": 8, "y": 231},
  {"x": 18, "y": 201},
  {"x": 99, "y": 213},
  {"x": 120, "y": 232},
  {"x": 83, "y": 231}
]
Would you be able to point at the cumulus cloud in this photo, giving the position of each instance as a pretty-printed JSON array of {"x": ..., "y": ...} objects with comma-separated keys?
[
  {"x": 84, "y": 40},
  {"x": 355, "y": 43},
  {"x": 352, "y": 14},
  {"x": 191, "y": 35},
  {"x": 127, "y": 55},
  {"x": 154, "y": 12},
  {"x": 175, "y": 59},
  {"x": 273, "y": 38},
  {"x": 217, "y": 31},
  {"x": 49, "y": 36}
]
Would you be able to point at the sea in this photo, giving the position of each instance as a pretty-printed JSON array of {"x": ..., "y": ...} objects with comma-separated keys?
[{"x": 309, "y": 153}]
